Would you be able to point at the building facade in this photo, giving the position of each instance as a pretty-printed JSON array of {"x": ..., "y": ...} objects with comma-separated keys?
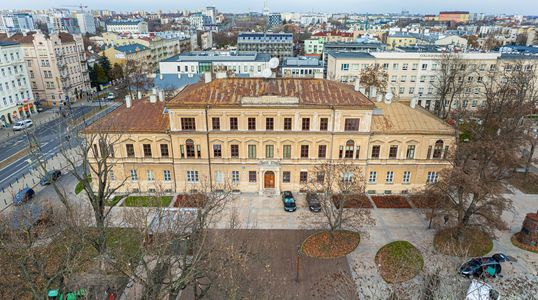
[
  {"x": 412, "y": 75},
  {"x": 274, "y": 20},
  {"x": 454, "y": 16},
  {"x": 17, "y": 22},
  {"x": 232, "y": 63},
  {"x": 275, "y": 44},
  {"x": 314, "y": 46},
  {"x": 16, "y": 98},
  {"x": 267, "y": 135},
  {"x": 86, "y": 23},
  {"x": 130, "y": 26},
  {"x": 302, "y": 67},
  {"x": 57, "y": 66}
]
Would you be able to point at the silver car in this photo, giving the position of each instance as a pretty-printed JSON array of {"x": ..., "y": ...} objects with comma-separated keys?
[{"x": 20, "y": 125}]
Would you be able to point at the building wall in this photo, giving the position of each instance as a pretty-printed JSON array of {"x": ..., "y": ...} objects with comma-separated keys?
[
  {"x": 314, "y": 46},
  {"x": 16, "y": 98},
  {"x": 335, "y": 139}
]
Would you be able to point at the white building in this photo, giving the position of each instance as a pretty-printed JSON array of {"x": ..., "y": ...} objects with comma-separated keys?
[
  {"x": 130, "y": 26},
  {"x": 302, "y": 67},
  {"x": 16, "y": 99},
  {"x": 21, "y": 22},
  {"x": 86, "y": 23},
  {"x": 231, "y": 63}
]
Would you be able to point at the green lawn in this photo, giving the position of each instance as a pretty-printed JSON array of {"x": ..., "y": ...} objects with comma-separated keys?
[{"x": 147, "y": 201}]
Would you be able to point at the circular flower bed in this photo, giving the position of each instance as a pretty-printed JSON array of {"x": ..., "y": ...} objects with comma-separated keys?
[
  {"x": 472, "y": 242},
  {"x": 517, "y": 243},
  {"x": 399, "y": 261},
  {"x": 326, "y": 245}
]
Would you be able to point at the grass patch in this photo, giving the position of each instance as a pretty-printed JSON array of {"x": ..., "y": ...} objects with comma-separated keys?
[
  {"x": 399, "y": 261},
  {"x": 147, "y": 201},
  {"x": 323, "y": 245},
  {"x": 517, "y": 243},
  {"x": 527, "y": 184},
  {"x": 114, "y": 201},
  {"x": 472, "y": 242}
]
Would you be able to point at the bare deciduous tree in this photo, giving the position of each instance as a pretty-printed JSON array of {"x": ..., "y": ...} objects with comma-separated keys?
[{"x": 374, "y": 77}]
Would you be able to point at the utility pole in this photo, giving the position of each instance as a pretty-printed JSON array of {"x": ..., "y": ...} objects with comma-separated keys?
[{"x": 298, "y": 264}]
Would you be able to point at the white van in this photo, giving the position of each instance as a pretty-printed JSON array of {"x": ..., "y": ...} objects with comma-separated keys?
[{"x": 20, "y": 125}]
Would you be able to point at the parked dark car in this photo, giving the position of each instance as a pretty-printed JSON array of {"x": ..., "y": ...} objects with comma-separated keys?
[
  {"x": 24, "y": 195},
  {"x": 289, "y": 201},
  {"x": 313, "y": 202},
  {"x": 487, "y": 266},
  {"x": 50, "y": 177}
]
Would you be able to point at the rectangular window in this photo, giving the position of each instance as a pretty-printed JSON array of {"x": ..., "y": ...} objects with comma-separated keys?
[
  {"x": 303, "y": 177},
  {"x": 134, "y": 175},
  {"x": 324, "y": 124},
  {"x": 410, "y": 152},
  {"x": 164, "y": 150},
  {"x": 373, "y": 177},
  {"x": 217, "y": 150},
  {"x": 352, "y": 125},
  {"x": 424, "y": 66},
  {"x": 390, "y": 177},
  {"x": 406, "y": 177},
  {"x": 188, "y": 124},
  {"x": 150, "y": 175},
  {"x": 376, "y": 149},
  {"x": 147, "y": 150},
  {"x": 286, "y": 151},
  {"x": 286, "y": 176},
  {"x": 322, "y": 151},
  {"x": 269, "y": 123},
  {"x": 347, "y": 177},
  {"x": 251, "y": 176},
  {"x": 192, "y": 176},
  {"x": 269, "y": 151},
  {"x": 357, "y": 151},
  {"x": 235, "y": 176},
  {"x": 304, "y": 151},
  {"x": 320, "y": 177},
  {"x": 306, "y": 124},
  {"x": 130, "y": 150},
  {"x": 215, "y": 122},
  {"x": 111, "y": 175},
  {"x": 166, "y": 175},
  {"x": 218, "y": 177},
  {"x": 251, "y": 151},
  {"x": 234, "y": 151},
  {"x": 287, "y": 123},
  {"x": 251, "y": 123},
  {"x": 233, "y": 123},
  {"x": 432, "y": 177},
  {"x": 345, "y": 67},
  {"x": 190, "y": 149},
  {"x": 393, "y": 151}
]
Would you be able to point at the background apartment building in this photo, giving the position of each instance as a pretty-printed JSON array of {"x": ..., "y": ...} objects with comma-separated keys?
[
  {"x": 16, "y": 99},
  {"x": 129, "y": 26},
  {"x": 86, "y": 23},
  {"x": 275, "y": 44},
  {"x": 414, "y": 75},
  {"x": 57, "y": 67},
  {"x": 231, "y": 63},
  {"x": 267, "y": 135}
]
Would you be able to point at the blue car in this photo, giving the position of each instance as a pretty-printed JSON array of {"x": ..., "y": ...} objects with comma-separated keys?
[
  {"x": 289, "y": 201},
  {"x": 24, "y": 195}
]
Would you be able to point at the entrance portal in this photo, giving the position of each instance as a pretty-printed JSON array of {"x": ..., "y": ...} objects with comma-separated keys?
[{"x": 269, "y": 180}]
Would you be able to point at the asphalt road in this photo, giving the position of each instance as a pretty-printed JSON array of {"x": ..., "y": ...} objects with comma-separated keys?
[{"x": 49, "y": 136}]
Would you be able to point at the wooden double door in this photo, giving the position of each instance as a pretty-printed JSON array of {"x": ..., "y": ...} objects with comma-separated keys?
[{"x": 269, "y": 180}]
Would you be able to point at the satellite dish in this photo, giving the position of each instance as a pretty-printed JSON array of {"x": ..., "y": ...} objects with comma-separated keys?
[
  {"x": 89, "y": 48},
  {"x": 274, "y": 62},
  {"x": 267, "y": 73},
  {"x": 388, "y": 97}
]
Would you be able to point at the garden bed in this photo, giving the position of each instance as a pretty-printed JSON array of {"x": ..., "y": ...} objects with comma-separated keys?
[
  {"x": 190, "y": 200},
  {"x": 419, "y": 201},
  {"x": 353, "y": 201},
  {"x": 399, "y": 261},
  {"x": 528, "y": 185},
  {"x": 322, "y": 245},
  {"x": 147, "y": 201},
  {"x": 517, "y": 243},
  {"x": 473, "y": 242},
  {"x": 393, "y": 201}
]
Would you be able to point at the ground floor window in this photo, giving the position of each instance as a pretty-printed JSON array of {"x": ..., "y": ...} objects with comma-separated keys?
[
  {"x": 167, "y": 176},
  {"x": 150, "y": 175},
  {"x": 235, "y": 176},
  {"x": 134, "y": 176},
  {"x": 406, "y": 177},
  {"x": 432, "y": 177},
  {"x": 373, "y": 177},
  {"x": 251, "y": 176},
  {"x": 192, "y": 176},
  {"x": 303, "y": 176},
  {"x": 286, "y": 177}
]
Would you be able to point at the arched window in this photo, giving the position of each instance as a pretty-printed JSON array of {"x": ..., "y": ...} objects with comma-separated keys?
[
  {"x": 189, "y": 144},
  {"x": 350, "y": 145},
  {"x": 438, "y": 149}
]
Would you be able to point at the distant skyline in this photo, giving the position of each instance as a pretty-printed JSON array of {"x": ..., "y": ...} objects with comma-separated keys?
[{"x": 520, "y": 7}]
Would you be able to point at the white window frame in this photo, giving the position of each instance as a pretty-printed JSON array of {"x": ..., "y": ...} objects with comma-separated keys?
[{"x": 373, "y": 177}]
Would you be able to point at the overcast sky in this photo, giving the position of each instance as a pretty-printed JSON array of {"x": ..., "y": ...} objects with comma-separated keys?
[{"x": 524, "y": 7}]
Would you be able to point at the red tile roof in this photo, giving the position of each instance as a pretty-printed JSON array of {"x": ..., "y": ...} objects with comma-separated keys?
[
  {"x": 19, "y": 38},
  {"x": 142, "y": 117},
  {"x": 230, "y": 91},
  {"x": 333, "y": 33}
]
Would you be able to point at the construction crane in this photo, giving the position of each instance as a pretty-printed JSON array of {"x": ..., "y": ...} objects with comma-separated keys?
[{"x": 82, "y": 7}]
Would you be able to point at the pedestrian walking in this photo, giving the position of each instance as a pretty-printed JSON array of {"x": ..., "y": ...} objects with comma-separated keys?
[{"x": 446, "y": 219}]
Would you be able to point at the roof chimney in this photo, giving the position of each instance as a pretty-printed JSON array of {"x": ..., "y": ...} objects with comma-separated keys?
[
  {"x": 128, "y": 101},
  {"x": 153, "y": 98},
  {"x": 207, "y": 77},
  {"x": 139, "y": 95}
]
